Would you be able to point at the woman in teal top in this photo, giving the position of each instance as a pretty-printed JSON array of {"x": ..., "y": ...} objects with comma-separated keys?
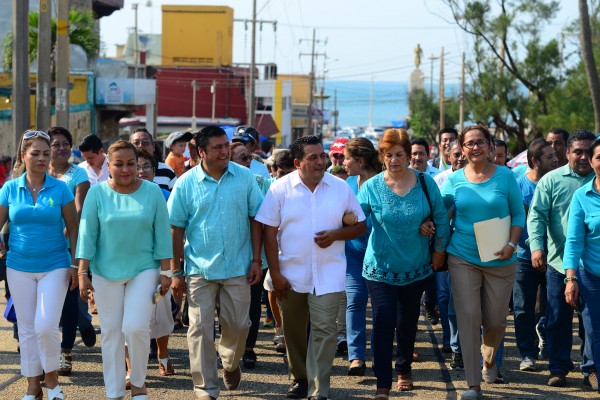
[
  {"x": 38, "y": 208},
  {"x": 124, "y": 238},
  {"x": 74, "y": 310},
  {"x": 582, "y": 249},
  {"x": 479, "y": 192},
  {"x": 397, "y": 259}
]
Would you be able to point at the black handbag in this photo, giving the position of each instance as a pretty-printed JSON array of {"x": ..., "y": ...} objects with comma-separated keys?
[{"x": 430, "y": 218}]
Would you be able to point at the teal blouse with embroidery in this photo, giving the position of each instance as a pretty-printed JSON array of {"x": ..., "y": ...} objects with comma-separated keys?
[{"x": 397, "y": 253}]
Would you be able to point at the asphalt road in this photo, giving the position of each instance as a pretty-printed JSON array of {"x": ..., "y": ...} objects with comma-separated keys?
[{"x": 269, "y": 380}]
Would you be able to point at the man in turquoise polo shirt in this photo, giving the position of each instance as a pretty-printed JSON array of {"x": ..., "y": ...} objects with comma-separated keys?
[
  {"x": 548, "y": 215},
  {"x": 213, "y": 206}
]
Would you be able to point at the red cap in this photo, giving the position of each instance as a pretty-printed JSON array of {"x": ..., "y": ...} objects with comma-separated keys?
[{"x": 338, "y": 145}]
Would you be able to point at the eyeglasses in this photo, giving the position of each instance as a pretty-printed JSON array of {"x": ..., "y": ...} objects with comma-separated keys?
[
  {"x": 31, "y": 134},
  {"x": 482, "y": 144},
  {"x": 244, "y": 157},
  {"x": 143, "y": 143},
  {"x": 145, "y": 168}
]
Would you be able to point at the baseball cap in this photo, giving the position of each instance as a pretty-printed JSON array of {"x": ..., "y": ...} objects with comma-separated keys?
[
  {"x": 175, "y": 136},
  {"x": 247, "y": 130},
  {"x": 338, "y": 146}
]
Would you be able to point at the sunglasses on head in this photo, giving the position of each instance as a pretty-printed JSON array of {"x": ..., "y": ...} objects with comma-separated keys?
[{"x": 32, "y": 134}]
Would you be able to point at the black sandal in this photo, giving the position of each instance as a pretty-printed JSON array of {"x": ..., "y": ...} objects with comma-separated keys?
[{"x": 249, "y": 359}]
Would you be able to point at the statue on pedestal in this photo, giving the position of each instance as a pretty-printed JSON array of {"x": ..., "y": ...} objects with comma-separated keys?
[{"x": 417, "y": 78}]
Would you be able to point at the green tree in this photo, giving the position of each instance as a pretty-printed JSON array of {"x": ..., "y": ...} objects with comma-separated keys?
[
  {"x": 82, "y": 32},
  {"x": 425, "y": 114}
]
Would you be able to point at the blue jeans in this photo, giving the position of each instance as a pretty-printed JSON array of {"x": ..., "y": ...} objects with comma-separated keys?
[
  {"x": 357, "y": 295},
  {"x": 74, "y": 314},
  {"x": 589, "y": 287},
  {"x": 525, "y": 289},
  {"x": 430, "y": 294},
  {"x": 395, "y": 309},
  {"x": 447, "y": 314},
  {"x": 559, "y": 327}
]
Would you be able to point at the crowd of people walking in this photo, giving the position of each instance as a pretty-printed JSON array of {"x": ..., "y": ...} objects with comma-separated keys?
[{"x": 317, "y": 235}]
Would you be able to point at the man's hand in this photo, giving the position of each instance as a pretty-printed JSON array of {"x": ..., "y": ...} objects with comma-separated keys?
[
  {"x": 349, "y": 218},
  {"x": 572, "y": 293},
  {"x": 427, "y": 228},
  {"x": 73, "y": 278},
  {"x": 178, "y": 288},
  {"x": 538, "y": 260},
  {"x": 281, "y": 285},
  {"x": 437, "y": 260},
  {"x": 255, "y": 273},
  {"x": 324, "y": 239}
]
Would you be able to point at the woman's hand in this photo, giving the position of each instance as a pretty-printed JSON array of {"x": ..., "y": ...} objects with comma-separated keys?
[
  {"x": 506, "y": 253},
  {"x": 85, "y": 286},
  {"x": 178, "y": 287},
  {"x": 73, "y": 278},
  {"x": 165, "y": 284},
  {"x": 572, "y": 293},
  {"x": 437, "y": 260},
  {"x": 427, "y": 228},
  {"x": 349, "y": 218}
]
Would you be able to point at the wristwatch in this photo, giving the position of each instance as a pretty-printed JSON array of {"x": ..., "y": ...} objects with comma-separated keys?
[
  {"x": 570, "y": 278},
  {"x": 511, "y": 244},
  {"x": 167, "y": 273}
]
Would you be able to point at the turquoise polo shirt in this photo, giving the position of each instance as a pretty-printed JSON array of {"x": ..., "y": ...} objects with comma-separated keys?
[
  {"x": 36, "y": 242},
  {"x": 215, "y": 216}
]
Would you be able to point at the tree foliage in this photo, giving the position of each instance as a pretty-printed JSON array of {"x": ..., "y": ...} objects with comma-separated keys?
[
  {"x": 425, "y": 114},
  {"x": 82, "y": 32}
]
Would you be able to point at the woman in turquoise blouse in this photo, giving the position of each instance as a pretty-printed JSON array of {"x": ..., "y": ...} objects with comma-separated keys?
[
  {"x": 38, "y": 207},
  {"x": 481, "y": 290},
  {"x": 124, "y": 238},
  {"x": 582, "y": 250},
  {"x": 397, "y": 259}
]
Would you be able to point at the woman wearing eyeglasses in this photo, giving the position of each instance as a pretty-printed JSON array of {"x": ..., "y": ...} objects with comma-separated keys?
[
  {"x": 74, "y": 311},
  {"x": 481, "y": 290},
  {"x": 38, "y": 207},
  {"x": 125, "y": 241}
]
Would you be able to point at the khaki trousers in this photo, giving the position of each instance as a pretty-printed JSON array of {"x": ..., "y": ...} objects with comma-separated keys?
[
  {"x": 313, "y": 361},
  {"x": 233, "y": 295},
  {"x": 481, "y": 296}
]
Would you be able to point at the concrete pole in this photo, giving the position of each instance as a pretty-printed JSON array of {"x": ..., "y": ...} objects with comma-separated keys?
[
  {"x": 462, "y": 94},
  {"x": 441, "y": 93},
  {"x": 20, "y": 71},
  {"x": 213, "y": 90},
  {"x": 312, "y": 83},
  {"x": 135, "y": 36},
  {"x": 251, "y": 98},
  {"x": 194, "y": 104},
  {"x": 44, "y": 74},
  {"x": 62, "y": 64},
  {"x": 335, "y": 115}
]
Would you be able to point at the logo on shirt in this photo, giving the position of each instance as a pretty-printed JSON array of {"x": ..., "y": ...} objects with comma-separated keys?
[{"x": 51, "y": 201}]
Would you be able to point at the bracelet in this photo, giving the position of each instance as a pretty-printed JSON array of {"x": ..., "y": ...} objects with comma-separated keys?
[
  {"x": 168, "y": 273},
  {"x": 74, "y": 266},
  {"x": 177, "y": 272},
  {"x": 511, "y": 244},
  {"x": 82, "y": 273},
  {"x": 570, "y": 278},
  {"x": 259, "y": 261}
]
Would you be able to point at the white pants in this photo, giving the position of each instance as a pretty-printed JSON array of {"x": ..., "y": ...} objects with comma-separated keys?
[
  {"x": 124, "y": 310},
  {"x": 38, "y": 299}
]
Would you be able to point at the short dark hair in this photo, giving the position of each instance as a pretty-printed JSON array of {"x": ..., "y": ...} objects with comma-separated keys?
[
  {"x": 580, "y": 134},
  {"x": 481, "y": 128},
  {"x": 536, "y": 150},
  {"x": 91, "y": 142},
  {"x": 120, "y": 145},
  {"x": 141, "y": 153},
  {"x": 203, "y": 135},
  {"x": 420, "y": 142},
  {"x": 560, "y": 131},
  {"x": 146, "y": 131},
  {"x": 297, "y": 148},
  {"x": 446, "y": 130},
  {"x": 284, "y": 160},
  {"x": 59, "y": 130},
  {"x": 500, "y": 143}
]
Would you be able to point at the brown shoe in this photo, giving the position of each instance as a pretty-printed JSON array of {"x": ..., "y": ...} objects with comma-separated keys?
[
  {"x": 168, "y": 371},
  {"x": 66, "y": 364},
  {"x": 232, "y": 379}
]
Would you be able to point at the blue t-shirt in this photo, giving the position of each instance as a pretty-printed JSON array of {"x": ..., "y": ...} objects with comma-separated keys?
[
  {"x": 527, "y": 189},
  {"x": 356, "y": 248},
  {"x": 36, "y": 242},
  {"x": 74, "y": 176}
]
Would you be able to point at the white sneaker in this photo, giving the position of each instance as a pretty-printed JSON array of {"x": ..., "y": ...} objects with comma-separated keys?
[{"x": 527, "y": 364}]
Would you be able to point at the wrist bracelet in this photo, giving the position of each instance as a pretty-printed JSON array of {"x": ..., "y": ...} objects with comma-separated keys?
[
  {"x": 511, "y": 244},
  {"x": 176, "y": 272},
  {"x": 259, "y": 261},
  {"x": 570, "y": 278},
  {"x": 82, "y": 273},
  {"x": 168, "y": 273},
  {"x": 74, "y": 266}
]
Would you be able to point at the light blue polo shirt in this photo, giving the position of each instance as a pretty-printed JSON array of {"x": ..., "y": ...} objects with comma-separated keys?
[
  {"x": 215, "y": 215},
  {"x": 36, "y": 242}
]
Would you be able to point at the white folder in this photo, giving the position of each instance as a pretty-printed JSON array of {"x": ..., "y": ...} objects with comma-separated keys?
[{"x": 491, "y": 235}]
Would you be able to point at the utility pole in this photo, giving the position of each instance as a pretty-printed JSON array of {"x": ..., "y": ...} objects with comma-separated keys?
[
  {"x": 213, "y": 90},
  {"x": 136, "y": 51},
  {"x": 194, "y": 105},
  {"x": 441, "y": 93},
  {"x": 62, "y": 64},
  {"x": 335, "y": 111},
  {"x": 462, "y": 94},
  {"x": 252, "y": 97},
  {"x": 311, "y": 104},
  {"x": 20, "y": 86},
  {"x": 371, "y": 105},
  {"x": 432, "y": 59},
  {"x": 44, "y": 74}
]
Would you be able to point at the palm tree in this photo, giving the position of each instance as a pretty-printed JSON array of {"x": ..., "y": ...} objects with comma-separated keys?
[{"x": 82, "y": 32}]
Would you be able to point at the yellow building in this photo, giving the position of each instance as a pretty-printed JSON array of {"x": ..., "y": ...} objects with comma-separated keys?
[{"x": 197, "y": 35}]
